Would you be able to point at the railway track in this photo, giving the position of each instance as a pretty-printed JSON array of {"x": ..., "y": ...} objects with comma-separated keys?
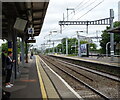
[
  {"x": 64, "y": 69},
  {"x": 112, "y": 77},
  {"x": 93, "y": 65}
]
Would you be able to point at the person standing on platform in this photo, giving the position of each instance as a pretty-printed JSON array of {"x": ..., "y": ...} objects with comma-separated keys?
[
  {"x": 31, "y": 55},
  {"x": 3, "y": 62},
  {"x": 9, "y": 66}
]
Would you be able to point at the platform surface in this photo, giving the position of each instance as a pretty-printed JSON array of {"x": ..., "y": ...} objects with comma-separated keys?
[
  {"x": 39, "y": 82},
  {"x": 27, "y": 86},
  {"x": 101, "y": 60}
]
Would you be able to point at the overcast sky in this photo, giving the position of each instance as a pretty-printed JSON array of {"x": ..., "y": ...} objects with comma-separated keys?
[
  {"x": 55, "y": 12},
  {"x": 58, "y": 7}
]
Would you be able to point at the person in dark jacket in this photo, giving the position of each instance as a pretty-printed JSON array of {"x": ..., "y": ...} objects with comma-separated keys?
[
  {"x": 9, "y": 65},
  {"x": 3, "y": 62}
]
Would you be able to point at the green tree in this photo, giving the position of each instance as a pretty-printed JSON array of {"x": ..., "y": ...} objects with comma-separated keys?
[
  {"x": 5, "y": 46},
  {"x": 72, "y": 46},
  {"x": 92, "y": 47},
  {"x": 106, "y": 38}
]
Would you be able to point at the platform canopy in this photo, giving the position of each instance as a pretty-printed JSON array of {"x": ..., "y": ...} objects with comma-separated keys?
[
  {"x": 33, "y": 12},
  {"x": 114, "y": 30}
]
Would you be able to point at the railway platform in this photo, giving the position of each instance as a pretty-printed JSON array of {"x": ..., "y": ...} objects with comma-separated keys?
[
  {"x": 26, "y": 86},
  {"x": 101, "y": 60},
  {"x": 39, "y": 82},
  {"x": 104, "y": 60}
]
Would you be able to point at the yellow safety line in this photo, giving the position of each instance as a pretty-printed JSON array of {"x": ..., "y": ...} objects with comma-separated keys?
[{"x": 44, "y": 94}]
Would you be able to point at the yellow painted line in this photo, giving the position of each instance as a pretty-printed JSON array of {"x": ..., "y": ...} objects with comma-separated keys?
[
  {"x": 44, "y": 94},
  {"x": 50, "y": 89}
]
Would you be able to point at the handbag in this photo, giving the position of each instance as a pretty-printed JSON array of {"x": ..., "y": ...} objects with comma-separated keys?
[{"x": 9, "y": 66}]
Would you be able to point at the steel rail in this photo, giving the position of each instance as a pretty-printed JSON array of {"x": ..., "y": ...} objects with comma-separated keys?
[
  {"x": 92, "y": 71},
  {"x": 75, "y": 71},
  {"x": 75, "y": 78}
]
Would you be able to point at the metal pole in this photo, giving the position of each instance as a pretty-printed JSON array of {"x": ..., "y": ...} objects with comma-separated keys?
[
  {"x": 107, "y": 49},
  {"x": 26, "y": 52},
  {"x": 79, "y": 52},
  {"x": 111, "y": 35},
  {"x": 0, "y": 51},
  {"x": 67, "y": 14},
  {"x": 66, "y": 46},
  {"x": 53, "y": 47},
  {"x": 63, "y": 17},
  {"x": 67, "y": 11},
  {"x": 49, "y": 45},
  {"x": 61, "y": 29},
  {"x": 87, "y": 28},
  {"x": 56, "y": 49},
  {"x": 15, "y": 52},
  {"x": 22, "y": 51},
  {"x": 62, "y": 49},
  {"x": 75, "y": 47}
]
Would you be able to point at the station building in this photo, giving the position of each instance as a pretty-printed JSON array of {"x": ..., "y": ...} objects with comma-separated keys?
[{"x": 17, "y": 19}]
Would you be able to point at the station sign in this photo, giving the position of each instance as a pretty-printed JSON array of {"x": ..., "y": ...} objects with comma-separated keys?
[
  {"x": 84, "y": 49},
  {"x": 31, "y": 41},
  {"x": 30, "y": 30},
  {"x": 20, "y": 25}
]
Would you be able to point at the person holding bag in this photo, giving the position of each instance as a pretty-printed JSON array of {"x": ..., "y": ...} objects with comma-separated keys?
[
  {"x": 9, "y": 65},
  {"x": 3, "y": 62}
]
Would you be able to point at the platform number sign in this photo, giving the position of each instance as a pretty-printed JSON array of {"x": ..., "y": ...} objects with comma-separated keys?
[{"x": 30, "y": 30}]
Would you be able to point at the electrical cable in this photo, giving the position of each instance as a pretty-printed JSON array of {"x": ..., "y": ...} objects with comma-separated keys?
[
  {"x": 85, "y": 7},
  {"x": 91, "y": 9},
  {"x": 82, "y": 3},
  {"x": 75, "y": 9},
  {"x": 88, "y": 11}
]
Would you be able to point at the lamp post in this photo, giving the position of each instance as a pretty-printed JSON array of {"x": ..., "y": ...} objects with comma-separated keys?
[
  {"x": 50, "y": 33},
  {"x": 75, "y": 46},
  {"x": 53, "y": 41},
  {"x": 66, "y": 46},
  {"x": 78, "y": 36},
  {"x": 53, "y": 48},
  {"x": 107, "y": 49}
]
